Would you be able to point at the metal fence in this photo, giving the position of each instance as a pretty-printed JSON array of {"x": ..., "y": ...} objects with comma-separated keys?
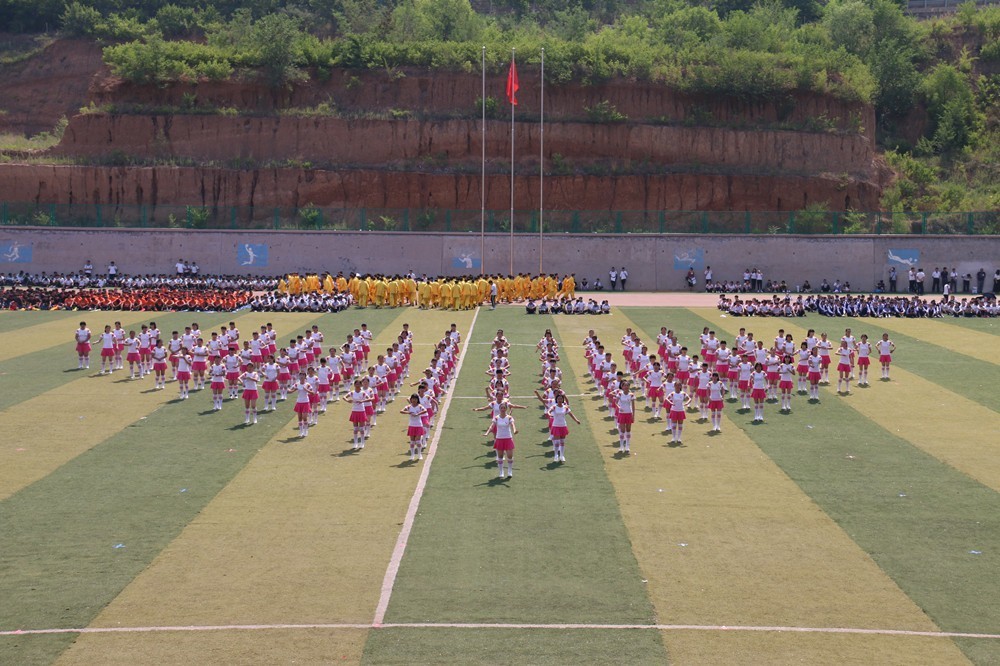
[{"x": 459, "y": 221}]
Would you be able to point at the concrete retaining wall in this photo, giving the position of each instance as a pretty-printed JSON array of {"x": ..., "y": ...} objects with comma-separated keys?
[{"x": 654, "y": 262}]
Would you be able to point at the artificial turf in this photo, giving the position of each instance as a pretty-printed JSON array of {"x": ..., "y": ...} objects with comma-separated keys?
[{"x": 905, "y": 469}]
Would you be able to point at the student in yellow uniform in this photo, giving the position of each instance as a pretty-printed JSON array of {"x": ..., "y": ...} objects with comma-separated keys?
[
  {"x": 329, "y": 286},
  {"x": 446, "y": 296},
  {"x": 424, "y": 295},
  {"x": 352, "y": 286},
  {"x": 456, "y": 295},
  {"x": 381, "y": 292},
  {"x": 482, "y": 290},
  {"x": 569, "y": 286},
  {"x": 551, "y": 286},
  {"x": 341, "y": 283},
  {"x": 436, "y": 295},
  {"x": 411, "y": 291},
  {"x": 363, "y": 293},
  {"x": 468, "y": 294},
  {"x": 282, "y": 286},
  {"x": 394, "y": 292}
]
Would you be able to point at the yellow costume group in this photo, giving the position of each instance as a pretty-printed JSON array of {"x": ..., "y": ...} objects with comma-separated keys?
[{"x": 446, "y": 293}]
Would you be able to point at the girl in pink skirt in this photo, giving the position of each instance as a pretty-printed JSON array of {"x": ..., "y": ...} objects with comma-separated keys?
[
  {"x": 678, "y": 401},
  {"x": 625, "y": 402},
  {"x": 758, "y": 391},
  {"x": 558, "y": 428},
  {"x": 250, "y": 378},
  {"x": 359, "y": 400},
  {"x": 302, "y": 407},
  {"x": 184, "y": 362},
  {"x": 217, "y": 380},
  {"x": 415, "y": 427},
  {"x": 504, "y": 427}
]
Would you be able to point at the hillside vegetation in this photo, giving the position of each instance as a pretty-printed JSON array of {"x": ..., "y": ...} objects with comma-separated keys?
[{"x": 934, "y": 84}]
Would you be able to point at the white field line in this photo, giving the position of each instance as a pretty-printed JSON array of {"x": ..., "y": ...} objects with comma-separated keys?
[
  {"x": 516, "y": 626},
  {"x": 411, "y": 512}
]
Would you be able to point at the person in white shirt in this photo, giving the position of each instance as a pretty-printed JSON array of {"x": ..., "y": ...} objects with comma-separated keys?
[{"x": 504, "y": 427}]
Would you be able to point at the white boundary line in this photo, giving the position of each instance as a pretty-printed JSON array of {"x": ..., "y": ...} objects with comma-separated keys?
[
  {"x": 486, "y": 625},
  {"x": 411, "y": 512}
]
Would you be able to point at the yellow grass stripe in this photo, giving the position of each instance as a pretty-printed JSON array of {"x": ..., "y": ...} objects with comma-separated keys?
[
  {"x": 276, "y": 646},
  {"x": 923, "y": 413},
  {"x": 786, "y": 648},
  {"x": 81, "y": 414},
  {"x": 982, "y": 346},
  {"x": 303, "y": 534},
  {"x": 729, "y": 523},
  {"x": 35, "y": 338}
]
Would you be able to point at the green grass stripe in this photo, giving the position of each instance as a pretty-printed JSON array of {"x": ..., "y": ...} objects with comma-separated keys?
[
  {"x": 31, "y": 374},
  {"x": 918, "y": 517},
  {"x": 14, "y": 320},
  {"x": 984, "y": 325},
  {"x": 59, "y": 332},
  {"x": 496, "y": 647},
  {"x": 955, "y": 339},
  {"x": 304, "y": 527},
  {"x": 757, "y": 550},
  {"x": 76, "y": 415},
  {"x": 547, "y": 546}
]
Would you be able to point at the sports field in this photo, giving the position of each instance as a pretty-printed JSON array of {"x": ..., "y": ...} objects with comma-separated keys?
[{"x": 862, "y": 529}]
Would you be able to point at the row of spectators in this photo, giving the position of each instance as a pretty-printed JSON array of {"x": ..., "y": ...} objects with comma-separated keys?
[
  {"x": 160, "y": 298},
  {"x": 567, "y": 306},
  {"x": 147, "y": 281}
]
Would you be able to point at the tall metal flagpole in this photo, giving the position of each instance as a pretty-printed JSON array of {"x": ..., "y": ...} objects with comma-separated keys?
[
  {"x": 512, "y": 174},
  {"x": 482, "y": 181},
  {"x": 541, "y": 167}
]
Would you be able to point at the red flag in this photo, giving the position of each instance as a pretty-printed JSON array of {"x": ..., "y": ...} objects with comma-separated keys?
[{"x": 512, "y": 85}]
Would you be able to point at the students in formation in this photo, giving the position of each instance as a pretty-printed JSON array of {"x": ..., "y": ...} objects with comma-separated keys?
[
  {"x": 258, "y": 367},
  {"x": 752, "y": 374}
]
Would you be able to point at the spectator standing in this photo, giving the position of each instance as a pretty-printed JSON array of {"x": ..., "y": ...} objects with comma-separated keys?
[
  {"x": 996, "y": 281},
  {"x": 179, "y": 267},
  {"x": 892, "y": 279},
  {"x": 936, "y": 280},
  {"x": 945, "y": 278},
  {"x": 613, "y": 278},
  {"x": 88, "y": 268},
  {"x": 966, "y": 283},
  {"x": 954, "y": 279},
  {"x": 622, "y": 277},
  {"x": 920, "y": 281},
  {"x": 112, "y": 272},
  {"x": 980, "y": 280},
  {"x": 708, "y": 276},
  {"x": 911, "y": 277}
]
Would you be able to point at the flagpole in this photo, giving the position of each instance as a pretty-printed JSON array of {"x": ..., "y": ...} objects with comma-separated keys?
[
  {"x": 541, "y": 166},
  {"x": 482, "y": 181},
  {"x": 512, "y": 174}
]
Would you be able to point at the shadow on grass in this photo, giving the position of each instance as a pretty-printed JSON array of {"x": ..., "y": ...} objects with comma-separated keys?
[
  {"x": 494, "y": 482},
  {"x": 346, "y": 453}
]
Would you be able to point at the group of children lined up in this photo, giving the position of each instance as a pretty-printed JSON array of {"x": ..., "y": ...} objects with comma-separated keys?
[
  {"x": 423, "y": 405},
  {"x": 502, "y": 424},
  {"x": 672, "y": 379},
  {"x": 248, "y": 367}
]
